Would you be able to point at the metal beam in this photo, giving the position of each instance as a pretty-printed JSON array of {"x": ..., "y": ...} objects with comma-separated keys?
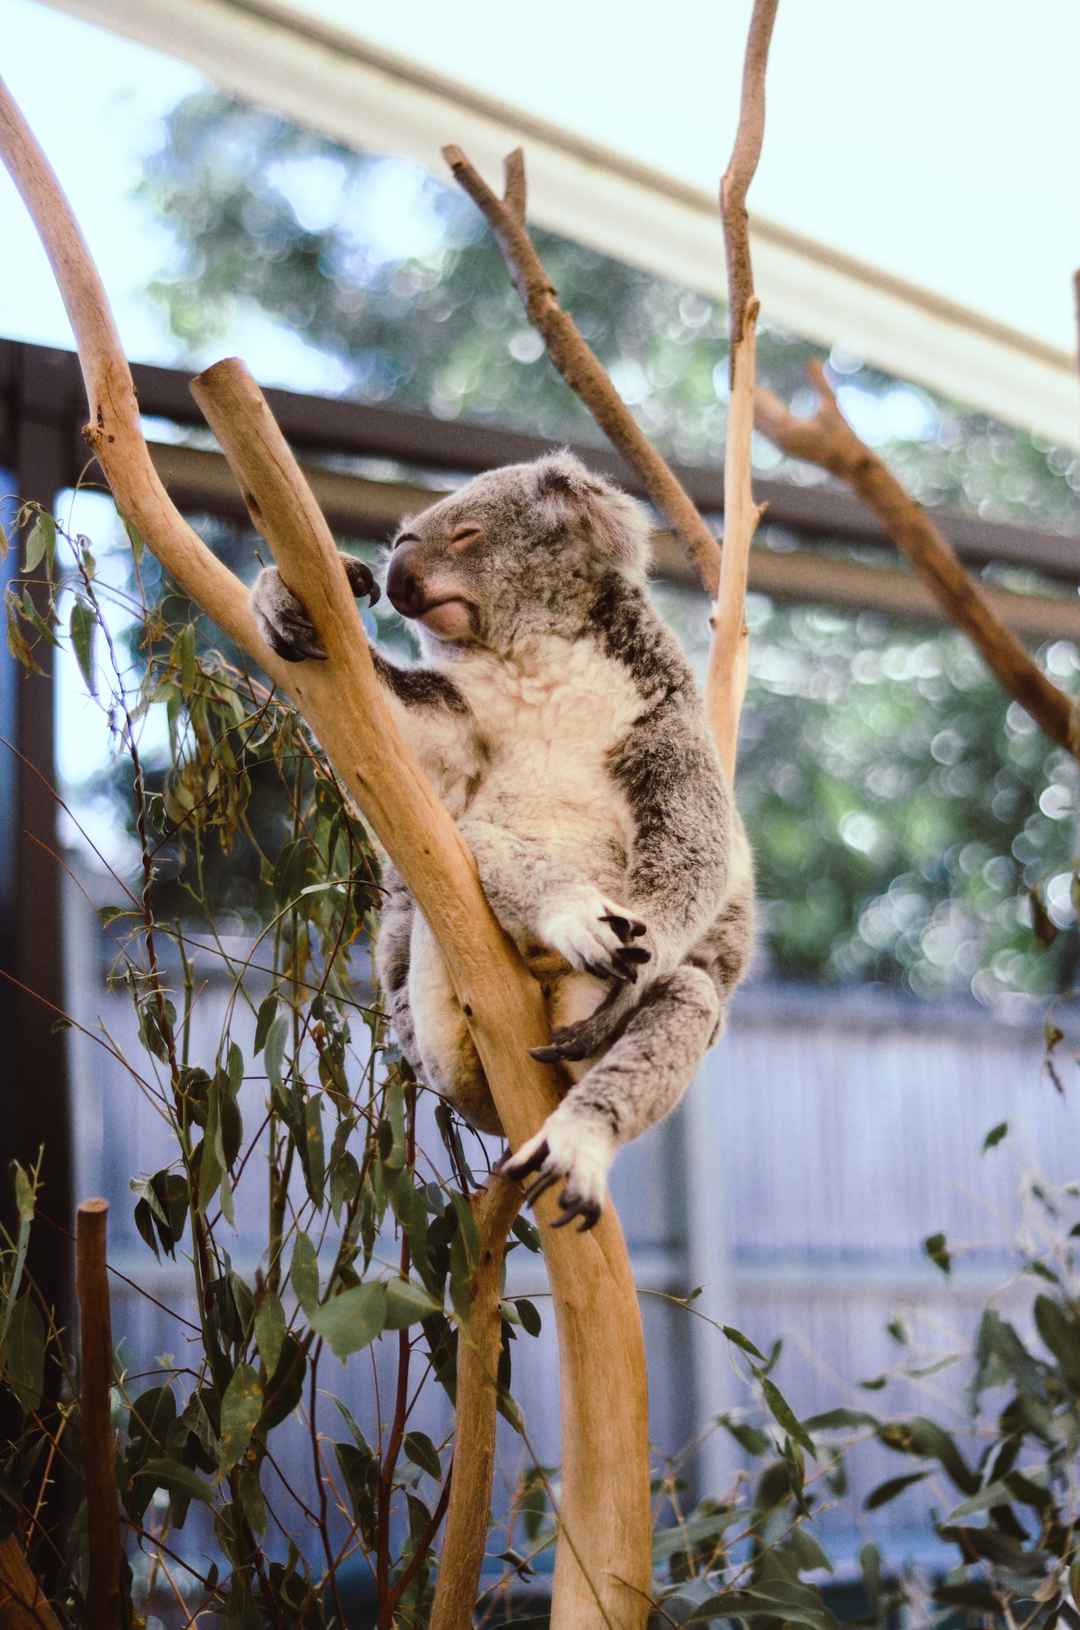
[
  {"x": 359, "y": 507},
  {"x": 337, "y": 425}
]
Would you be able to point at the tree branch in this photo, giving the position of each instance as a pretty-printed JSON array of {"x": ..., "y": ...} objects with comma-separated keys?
[
  {"x": 23, "y": 1603},
  {"x": 741, "y": 169},
  {"x": 729, "y": 653},
  {"x": 601, "y": 1349},
  {"x": 479, "y": 1343},
  {"x": 829, "y": 441},
  {"x": 578, "y": 364}
]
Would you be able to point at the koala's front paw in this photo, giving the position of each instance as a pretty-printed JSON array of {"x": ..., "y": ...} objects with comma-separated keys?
[
  {"x": 572, "y": 1148},
  {"x": 282, "y": 620},
  {"x": 594, "y": 934}
]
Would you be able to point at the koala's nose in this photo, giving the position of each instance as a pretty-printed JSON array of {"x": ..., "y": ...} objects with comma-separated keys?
[{"x": 403, "y": 582}]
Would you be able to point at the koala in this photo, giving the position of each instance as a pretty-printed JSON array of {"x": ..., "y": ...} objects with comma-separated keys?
[{"x": 561, "y": 723}]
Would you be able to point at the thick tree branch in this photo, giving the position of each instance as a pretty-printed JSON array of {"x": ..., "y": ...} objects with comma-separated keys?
[
  {"x": 729, "y": 654},
  {"x": 601, "y": 1351},
  {"x": 829, "y": 441},
  {"x": 23, "y": 1603},
  {"x": 578, "y": 364}
]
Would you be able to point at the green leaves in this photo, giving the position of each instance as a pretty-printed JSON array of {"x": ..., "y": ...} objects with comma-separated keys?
[
  {"x": 995, "y": 1135},
  {"x": 785, "y": 1416},
  {"x": 40, "y": 544},
  {"x": 24, "y": 1353},
  {"x": 177, "y": 1478},
  {"x": 891, "y": 1488},
  {"x": 423, "y": 1453},
  {"x": 352, "y": 1320},
  {"x": 407, "y": 1303},
  {"x": 304, "y": 1274},
  {"x": 81, "y": 629},
  {"x": 356, "y": 1317},
  {"x": 270, "y": 1331},
  {"x": 240, "y": 1410},
  {"x": 936, "y": 1249}
]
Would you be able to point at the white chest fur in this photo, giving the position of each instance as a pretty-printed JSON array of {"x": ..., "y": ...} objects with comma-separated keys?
[{"x": 547, "y": 718}]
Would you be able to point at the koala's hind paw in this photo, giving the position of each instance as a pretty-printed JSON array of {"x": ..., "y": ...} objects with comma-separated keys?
[
  {"x": 572, "y": 1149},
  {"x": 572, "y": 1043},
  {"x": 594, "y": 934}
]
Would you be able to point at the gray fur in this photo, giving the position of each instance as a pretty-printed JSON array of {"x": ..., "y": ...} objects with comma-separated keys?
[{"x": 561, "y": 722}]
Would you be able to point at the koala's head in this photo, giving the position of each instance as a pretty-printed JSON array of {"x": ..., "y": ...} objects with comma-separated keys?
[{"x": 517, "y": 552}]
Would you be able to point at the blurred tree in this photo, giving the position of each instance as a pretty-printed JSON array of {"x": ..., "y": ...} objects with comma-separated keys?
[{"x": 900, "y": 808}]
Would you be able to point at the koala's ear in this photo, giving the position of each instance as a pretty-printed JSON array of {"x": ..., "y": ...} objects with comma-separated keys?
[{"x": 615, "y": 524}]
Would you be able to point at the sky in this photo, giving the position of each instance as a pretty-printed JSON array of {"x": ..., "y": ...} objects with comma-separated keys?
[{"x": 96, "y": 112}]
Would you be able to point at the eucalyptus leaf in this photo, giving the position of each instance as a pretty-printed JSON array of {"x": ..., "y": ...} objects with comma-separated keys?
[
  {"x": 41, "y": 543},
  {"x": 270, "y": 1331},
  {"x": 82, "y": 628},
  {"x": 177, "y": 1478},
  {"x": 423, "y": 1453},
  {"x": 783, "y": 1413},
  {"x": 304, "y": 1274},
  {"x": 352, "y": 1320},
  {"x": 240, "y": 1410}
]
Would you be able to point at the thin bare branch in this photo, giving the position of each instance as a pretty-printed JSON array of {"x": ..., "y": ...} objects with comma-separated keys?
[
  {"x": 828, "y": 441},
  {"x": 515, "y": 188},
  {"x": 579, "y": 365},
  {"x": 741, "y": 169},
  {"x": 729, "y": 654}
]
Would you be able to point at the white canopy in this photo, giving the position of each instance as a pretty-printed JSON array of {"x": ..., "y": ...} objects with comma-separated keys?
[{"x": 916, "y": 202}]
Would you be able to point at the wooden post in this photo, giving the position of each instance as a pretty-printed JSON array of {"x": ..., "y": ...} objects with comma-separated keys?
[{"x": 104, "y": 1549}]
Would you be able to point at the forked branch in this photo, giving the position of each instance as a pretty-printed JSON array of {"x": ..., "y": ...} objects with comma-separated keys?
[
  {"x": 601, "y": 1352},
  {"x": 577, "y": 362},
  {"x": 723, "y": 576},
  {"x": 828, "y": 441}
]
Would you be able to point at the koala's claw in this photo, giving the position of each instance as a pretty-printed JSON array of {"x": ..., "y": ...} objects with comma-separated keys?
[
  {"x": 285, "y": 624},
  {"x": 574, "y": 1205},
  {"x": 626, "y": 928},
  {"x": 361, "y": 579},
  {"x": 573, "y": 1042},
  {"x": 594, "y": 934},
  {"x": 575, "y": 1150}
]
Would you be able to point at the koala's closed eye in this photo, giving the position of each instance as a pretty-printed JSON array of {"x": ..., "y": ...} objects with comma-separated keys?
[{"x": 462, "y": 536}]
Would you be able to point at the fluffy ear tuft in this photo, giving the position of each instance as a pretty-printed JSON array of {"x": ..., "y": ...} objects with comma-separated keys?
[{"x": 615, "y": 524}]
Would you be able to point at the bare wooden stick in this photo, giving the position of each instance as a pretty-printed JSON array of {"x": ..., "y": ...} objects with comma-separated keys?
[
  {"x": 729, "y": 654},
  {"x": 578, "y": 364},
  {"x": 23, "y": 1603},
  {"x": 468, "y": 1515},
  {"x": 742, "y": 166},
  {"x": 104, "y": 1600},
  {"x": 601, "y": 1349},
  {"x": 829, "y": 441}
]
